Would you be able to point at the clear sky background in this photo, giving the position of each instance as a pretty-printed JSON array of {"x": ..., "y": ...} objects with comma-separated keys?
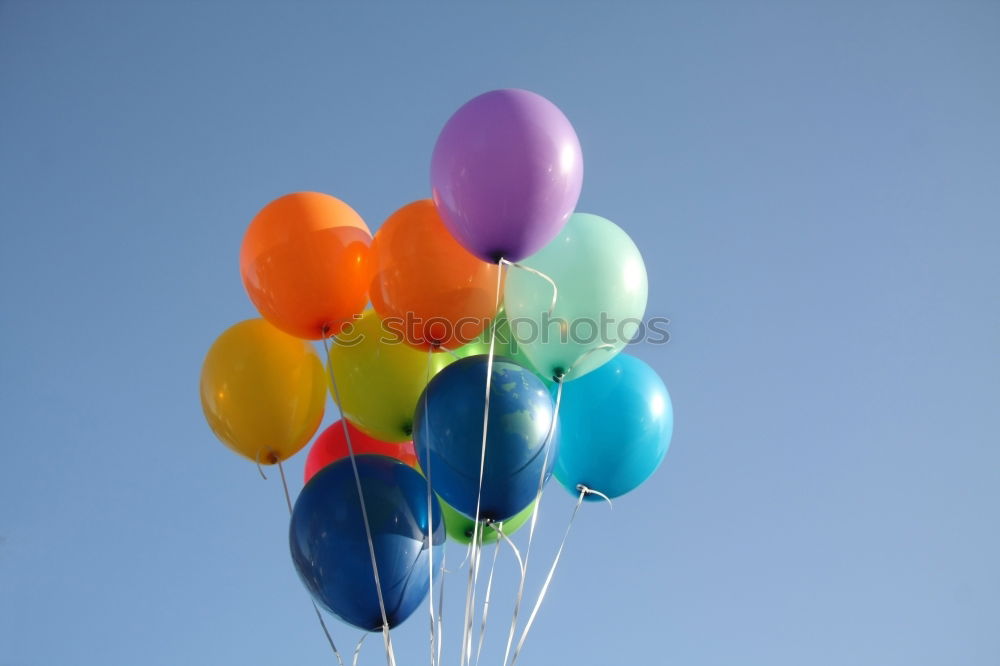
[{"x": 815, "y": 188}]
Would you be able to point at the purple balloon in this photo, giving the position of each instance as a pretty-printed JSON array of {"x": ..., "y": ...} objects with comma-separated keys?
[{"x": 506, "y": 174}]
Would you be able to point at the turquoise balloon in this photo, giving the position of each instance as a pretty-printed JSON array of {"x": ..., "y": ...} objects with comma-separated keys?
[
  {"x": 602, "y": 289},
  {"x": 616, "y": 426}
]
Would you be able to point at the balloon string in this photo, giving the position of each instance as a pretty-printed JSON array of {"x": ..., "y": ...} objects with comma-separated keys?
[
  {"x": 584, "y": 491},
  {"x": 430, "y": 515},
  {"x": 259, "y": 468},
  {"x": 326, "y": 632},
  {"x": 288, "y": 502},
  {"x": 386, "y": 637},
  {"x": 470, "y": 610},
  {"x": 517, "y": 553},
  {"x": 535, "y": 271},
  {"x": 470, "y": 593},
  {"x": 468, "y": 553},
  {"x": 605, "y": 347},
  {"x": 590, "y": 491},
  {"x": 284, "y": 486},
  {"x": 357, "y": 649},
  {"x": 440, "y": 611},
  {"x": 486, "y": 601},
  {"x": 534, "y": 518},
  {"x": 450, "y": 351}
]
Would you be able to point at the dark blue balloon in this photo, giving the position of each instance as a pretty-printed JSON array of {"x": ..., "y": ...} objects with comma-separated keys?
[
  {"x": 448, "y": 431},
  {"x": 330, "y": 549}
]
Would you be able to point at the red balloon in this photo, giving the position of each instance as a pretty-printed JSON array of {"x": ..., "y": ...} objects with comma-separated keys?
[{"x": 331, "y": 446}]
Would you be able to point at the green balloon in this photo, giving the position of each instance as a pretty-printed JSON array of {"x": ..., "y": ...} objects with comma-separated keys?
[
  {"x": 505, "y": 345},
  {"x": 459, "y": 526},
  {"x": 602, "y": 286}
]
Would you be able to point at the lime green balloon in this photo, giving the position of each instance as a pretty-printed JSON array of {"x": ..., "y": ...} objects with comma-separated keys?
[
  {"x": 602, "y": 294},
  {"x": 505, "y": 345},
  {"x": 380, "y": 377},
  {"x": 459, "y": 526}
]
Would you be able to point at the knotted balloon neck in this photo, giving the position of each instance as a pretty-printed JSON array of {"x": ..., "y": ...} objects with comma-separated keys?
[
  {"x": 584, "y": 491},
  {"x": 271, "y": 459}
]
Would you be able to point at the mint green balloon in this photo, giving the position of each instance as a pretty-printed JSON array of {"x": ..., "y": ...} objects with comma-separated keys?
[{"x": 602, "y": 286}]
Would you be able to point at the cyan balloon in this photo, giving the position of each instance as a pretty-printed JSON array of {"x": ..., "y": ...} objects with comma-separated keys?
[
  {"x": 330, "y": 548},
  {"x": 448, "y": 430},
  {"x": 602, "y": 290},
  {"x": 616, "y": 426}
]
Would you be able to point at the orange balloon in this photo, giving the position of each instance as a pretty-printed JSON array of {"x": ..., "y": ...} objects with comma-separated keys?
[
  {"x": 425, "y": 286},
  {"x": 304, "y": 262}
]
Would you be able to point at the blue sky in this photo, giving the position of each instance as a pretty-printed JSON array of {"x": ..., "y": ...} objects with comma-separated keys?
[{"x": 815, "y": 188}]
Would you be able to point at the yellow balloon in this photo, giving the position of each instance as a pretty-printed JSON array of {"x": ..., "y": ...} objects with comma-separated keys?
[
  {"x": 380, "y": 377},
  {"x": 262, "y": 391}
]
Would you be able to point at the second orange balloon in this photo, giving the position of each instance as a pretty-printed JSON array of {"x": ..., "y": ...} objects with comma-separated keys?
[{"x": 425, "y": 286}]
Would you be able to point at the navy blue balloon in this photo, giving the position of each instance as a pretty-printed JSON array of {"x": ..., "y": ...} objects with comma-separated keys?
[
  {"x": 448, "y": 430},
  {"x": 330, "y": 550},
  {"x": 617, "y": 422}
]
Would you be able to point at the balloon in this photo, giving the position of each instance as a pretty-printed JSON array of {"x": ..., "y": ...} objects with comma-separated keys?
[
  {"x": 262, "y": 391},
  {"x": 426, "y": 286},
  {"x": 330, "y": 548},
  {"x": 459, "y": 527},
  {"x": 304, "y": 263},
  {"x": 505, "y": 345},
  {"x": 380, "y": 378},
  {"x": 331, "y": 446},
  {"x": 601, "y": 300},
  {"x": 448, "y": 427},
  {"x": 616, "y": 424},
  {"x": 506, "y": 174}
]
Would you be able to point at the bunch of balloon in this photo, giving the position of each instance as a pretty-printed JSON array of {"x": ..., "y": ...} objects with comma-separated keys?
[
  {"x": 307, "y": 264},
  {"x": 466, "y": 350},
  {"x": 506, "y": 174}
]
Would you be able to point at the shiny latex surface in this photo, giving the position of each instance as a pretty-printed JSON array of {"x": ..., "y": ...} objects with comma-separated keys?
[
  {"x": 459, "y": 527},
  {"x": 380, "y": 378},
  {"x": 602, "y": 285},
  {"x": 304, "y": 262},
  {"x": 262, "y": 391},
  {"x": 331, "y": 445},
  {"x": 425, "y": 285},
  {"x": 506, "y": 173},
  {"x": 330, "y": 549},
  {"x": 448, "y": 426},
  {"x": 505, "y": 345},
  {"x": 617, "y": 423}
]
